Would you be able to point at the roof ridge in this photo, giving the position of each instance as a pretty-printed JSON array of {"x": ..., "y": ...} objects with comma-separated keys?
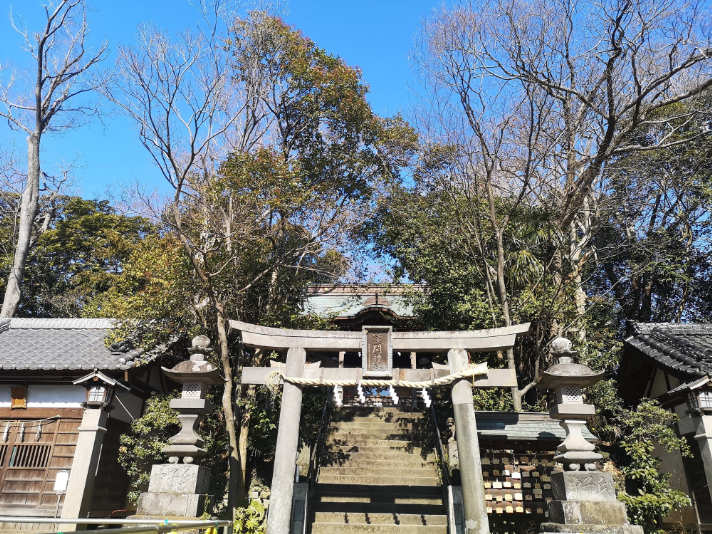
[{"x": 60, "y": 323}]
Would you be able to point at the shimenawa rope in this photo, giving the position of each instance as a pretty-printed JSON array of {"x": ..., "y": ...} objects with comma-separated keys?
[{"x": 479, "y": 369}]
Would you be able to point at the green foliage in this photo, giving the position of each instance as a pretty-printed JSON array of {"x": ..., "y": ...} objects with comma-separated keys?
[
  {"x": 77, "y": 258},
  {"x": 639, "y": 432},
  {"x": 654, "y": 499},
  {"x": 494, "y": 400},
  {"x": 250, "y": 519},
  {"x": 141, "y": 445}
]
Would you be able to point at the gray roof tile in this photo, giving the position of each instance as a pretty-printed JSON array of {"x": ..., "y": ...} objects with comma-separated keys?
[
  {"x": 49, "y": 344},
  {"x": 685, "y": 348}
]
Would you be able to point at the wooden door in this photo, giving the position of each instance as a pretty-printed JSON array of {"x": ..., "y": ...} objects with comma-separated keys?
[{"x": 30, "y": 456}]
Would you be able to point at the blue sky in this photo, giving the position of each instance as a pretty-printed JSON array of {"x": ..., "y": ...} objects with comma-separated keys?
[{"x": 374, "y": 35}]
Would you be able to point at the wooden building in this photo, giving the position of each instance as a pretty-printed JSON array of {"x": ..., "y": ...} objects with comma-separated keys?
[
  {"x": 672, "y": 363},
  {"x": 65, "y": 399}
]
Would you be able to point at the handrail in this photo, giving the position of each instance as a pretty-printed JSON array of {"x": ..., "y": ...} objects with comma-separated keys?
[
  {"x": 439, "y": 443},
  {"x": 146, "y": 525},
  {"x": 314, "y": 459},
  {"x": 447, "y": 484}
]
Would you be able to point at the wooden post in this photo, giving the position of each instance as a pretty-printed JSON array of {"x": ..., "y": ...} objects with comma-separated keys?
[
  {"x": 413, "y": 360},
  {"x": 468, "y": 448},
  {"x": 285, "y": 458},
  {"x": 342, "y": 354}
]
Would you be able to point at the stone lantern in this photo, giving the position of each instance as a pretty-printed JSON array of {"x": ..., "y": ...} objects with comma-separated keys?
[
  {"x": 180, "y": 489},
  {"x": 567, "y": 379},
  {"x": 196, "y": 375},
  {"x": 584, "y": 500}
]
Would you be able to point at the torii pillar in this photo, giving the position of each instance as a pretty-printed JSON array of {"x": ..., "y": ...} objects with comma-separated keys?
[
  {"x": 468, "y": 448},
  {"x": 285, "y": 457}
]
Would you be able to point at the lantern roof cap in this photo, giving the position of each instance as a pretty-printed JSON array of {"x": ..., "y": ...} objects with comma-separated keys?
[
  {"x": 197, "y": 368},
  {"x": 565, "y": 372}
]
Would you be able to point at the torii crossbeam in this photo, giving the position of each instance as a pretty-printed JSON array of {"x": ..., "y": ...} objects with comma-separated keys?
[{"x": 376, "y": 344}]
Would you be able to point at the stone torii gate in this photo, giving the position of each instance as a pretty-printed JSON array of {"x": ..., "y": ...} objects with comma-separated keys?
[{"x": 376, "y": 344}]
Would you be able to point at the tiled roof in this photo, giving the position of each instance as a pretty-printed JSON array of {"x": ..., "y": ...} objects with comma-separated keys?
[
  {"x": 691, "y": 385},
  {"x": 57, "y": 344},
  {"x": 345, "y": 301},
  {"x": 522, "y": 426},
  {"x": 685, "y": 349}
]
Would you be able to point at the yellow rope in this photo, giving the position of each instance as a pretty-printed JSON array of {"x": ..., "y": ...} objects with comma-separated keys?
[{"x": 479, "y": 369}]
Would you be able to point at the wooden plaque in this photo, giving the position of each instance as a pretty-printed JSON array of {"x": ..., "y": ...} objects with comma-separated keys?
[{"x": 377, "y": 354}]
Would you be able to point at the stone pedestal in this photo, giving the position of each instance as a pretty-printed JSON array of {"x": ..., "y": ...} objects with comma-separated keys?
[
  {"x": 175, "y": 490},
  {"x": 585, "y": 503}
]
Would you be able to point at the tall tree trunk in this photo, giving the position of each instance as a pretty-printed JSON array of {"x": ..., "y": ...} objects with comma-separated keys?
[
  {"x": 250, "y": 392},
  {"x": 28, "y": 211},
  {"x": 236, "y": 486}
]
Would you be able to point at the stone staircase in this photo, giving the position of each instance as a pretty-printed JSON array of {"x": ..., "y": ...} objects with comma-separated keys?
[{"x": 378, "y": 475}]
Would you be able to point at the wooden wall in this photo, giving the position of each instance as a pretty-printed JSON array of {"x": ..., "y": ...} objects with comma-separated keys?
[{"x": 31, "y": 457}]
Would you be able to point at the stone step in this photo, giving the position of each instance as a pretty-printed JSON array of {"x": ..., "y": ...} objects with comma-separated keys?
[
  {"x": 365, "y": 528},
  {"x": 399, "y": 461},
  {"x": 397, "y": 426},
  {"x": 389, "y": 434},
  {"x": 380, "y": 518},
  {"x": 375, "y": 414},
  {"x": 371, "y": 441},
  {"x": 343, "y": 452},
  {"x": 380, "y": 508},
  {"x": 375, "y": 480},
  {"x": 367, "y": 490},
  {"x": 384, "y": 417},
  {"x": 384, "y": 471},
  {"x": 378, "y": 499}
]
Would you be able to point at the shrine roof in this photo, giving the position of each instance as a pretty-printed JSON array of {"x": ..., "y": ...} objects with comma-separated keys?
[
  {"x": 683, "y": 349},
  {"x": 58, "y": 344},
  {"x": 347, "y": 301},
  {"x": 522, "y": 426}
]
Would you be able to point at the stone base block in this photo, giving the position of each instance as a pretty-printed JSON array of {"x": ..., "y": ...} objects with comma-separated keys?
[
  {"x": 588, "y": 512},
  {"x": 171, "y": 504},
  {"x": 556, "y": 528},
  {"x": 583, "y": 486},
  {"x": 179, "y": 478}
]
